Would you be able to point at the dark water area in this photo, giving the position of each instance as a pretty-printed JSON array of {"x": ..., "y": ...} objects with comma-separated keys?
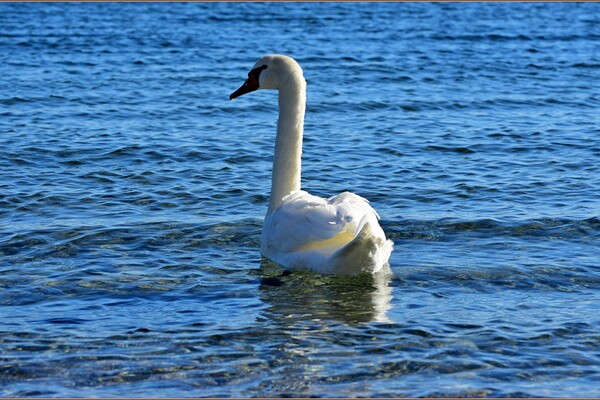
[{"x": 132, "y": 193}]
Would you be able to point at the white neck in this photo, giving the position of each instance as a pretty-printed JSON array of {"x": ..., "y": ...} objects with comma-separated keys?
[{"x": 288, "y": 144}]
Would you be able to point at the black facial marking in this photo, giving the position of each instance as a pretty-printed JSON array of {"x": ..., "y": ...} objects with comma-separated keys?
[
  {"x": 255, "y": 73},
  {"x": 251, "y": 83}
]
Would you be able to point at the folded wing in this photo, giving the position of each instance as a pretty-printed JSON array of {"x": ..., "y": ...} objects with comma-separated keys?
[{"x": 307, "y": 230}]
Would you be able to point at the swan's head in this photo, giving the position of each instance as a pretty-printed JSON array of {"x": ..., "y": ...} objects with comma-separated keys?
[{"x": 270, "y": 72}]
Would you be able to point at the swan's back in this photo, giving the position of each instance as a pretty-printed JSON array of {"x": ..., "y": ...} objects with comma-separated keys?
[{"x": 339, "y": 235}]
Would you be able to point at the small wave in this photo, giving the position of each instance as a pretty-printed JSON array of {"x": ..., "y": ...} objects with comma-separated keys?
[
  {"x": 545, "y": 227},
  {"x": 124, "y": 151},
  {"x": 66, "y": 321},
  {"x": 44, "y": 242},
  {"x": 459, "y": 150},
  {"x": 586, "y": 65},
  {"x": 514, "y": 38},
  {"x": 14, "y": 100},
  {"x": 478, "y": 38}
]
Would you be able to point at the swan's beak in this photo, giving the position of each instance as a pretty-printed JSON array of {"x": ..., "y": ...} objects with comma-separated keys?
[{"x": 250, "y": 85}]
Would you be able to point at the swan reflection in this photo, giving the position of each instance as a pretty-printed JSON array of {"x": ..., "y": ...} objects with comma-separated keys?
[{"x": 304, "y": 295}]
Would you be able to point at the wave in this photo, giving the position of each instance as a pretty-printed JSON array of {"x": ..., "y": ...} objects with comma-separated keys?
[
  {"x": 38, "y": 244},
  {"x": 485, "y": 228},
  {"x": 492, "y": 37}
]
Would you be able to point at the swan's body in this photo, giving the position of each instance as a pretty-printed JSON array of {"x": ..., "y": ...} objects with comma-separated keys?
[{"x": 339, "y": 235}]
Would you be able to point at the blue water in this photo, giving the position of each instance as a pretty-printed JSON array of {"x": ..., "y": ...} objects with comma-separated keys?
[{"x": 132, "y": 193}]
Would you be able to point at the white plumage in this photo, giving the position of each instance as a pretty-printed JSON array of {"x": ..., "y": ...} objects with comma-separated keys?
[{"x": 340, "y": 235}]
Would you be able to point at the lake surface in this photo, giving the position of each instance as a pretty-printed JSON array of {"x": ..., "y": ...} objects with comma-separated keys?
[{"x": 132, "y": 193}]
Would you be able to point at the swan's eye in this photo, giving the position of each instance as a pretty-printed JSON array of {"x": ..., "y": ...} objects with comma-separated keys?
[
  {"x": 253, "y": 76},
  {"x": 252, "y": 81},
  {"x": 256, "y": 71},
  {"x": 251, "y": 84}
]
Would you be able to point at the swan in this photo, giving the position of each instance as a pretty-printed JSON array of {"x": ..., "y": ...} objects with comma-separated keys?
[{"x": 340, "y": 235}]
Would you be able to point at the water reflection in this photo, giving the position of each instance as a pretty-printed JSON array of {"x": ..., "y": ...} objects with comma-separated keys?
[{"x": 304, "y": 295}]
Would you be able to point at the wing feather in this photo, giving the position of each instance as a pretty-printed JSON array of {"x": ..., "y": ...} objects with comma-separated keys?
[{"x": 307, "y": 222}]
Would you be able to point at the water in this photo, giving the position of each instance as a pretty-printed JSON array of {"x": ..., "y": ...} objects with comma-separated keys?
[{"x": 132, "y": 193}]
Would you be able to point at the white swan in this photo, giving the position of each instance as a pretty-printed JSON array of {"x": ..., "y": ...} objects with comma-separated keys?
[{"x": 340, "y": 235}]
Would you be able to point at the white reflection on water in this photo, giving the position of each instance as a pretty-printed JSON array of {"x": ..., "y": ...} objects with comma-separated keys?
[
  {"x": 301, "y": 296},
  {"x": 382, "y": 296}
]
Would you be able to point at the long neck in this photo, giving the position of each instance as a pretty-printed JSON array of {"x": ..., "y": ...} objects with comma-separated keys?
[{"x": 288, "y": 144}]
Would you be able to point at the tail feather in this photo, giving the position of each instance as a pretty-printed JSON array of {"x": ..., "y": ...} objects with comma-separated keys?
[{"x": 366, "y": 253}]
